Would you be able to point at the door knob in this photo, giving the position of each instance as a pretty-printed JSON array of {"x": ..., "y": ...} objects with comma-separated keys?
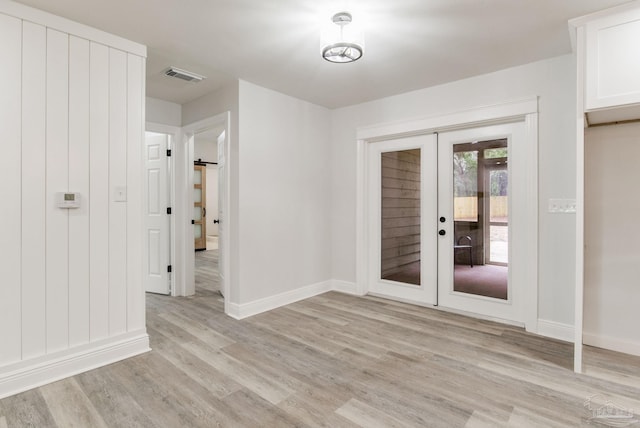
[
  {"x": 216, "y": 221},
  {"x": 442, "y": 232},
  {"x": 442, "y": 219}
]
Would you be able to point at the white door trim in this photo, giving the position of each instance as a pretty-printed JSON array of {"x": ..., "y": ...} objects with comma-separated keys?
[
  {"x": 185, "y": 174},
  {"x": 174, "y": 133},
  {"x": 522, "y": 110}
]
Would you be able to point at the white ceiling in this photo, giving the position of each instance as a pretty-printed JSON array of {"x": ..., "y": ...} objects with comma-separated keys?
[{"x": 410, "y": 44}]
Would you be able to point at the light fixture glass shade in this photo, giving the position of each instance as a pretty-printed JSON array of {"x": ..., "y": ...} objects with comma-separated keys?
[
  {"x": 341, "y": 40},
  {"x": 342, "y": 52}
]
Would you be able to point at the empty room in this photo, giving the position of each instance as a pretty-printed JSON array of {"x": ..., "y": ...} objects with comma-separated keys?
[{"x": 297, "y": 213}]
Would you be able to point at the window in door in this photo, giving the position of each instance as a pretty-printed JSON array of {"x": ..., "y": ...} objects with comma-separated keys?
[
  {"x": 400, "y": 217},
  {"x": 481, "y": 227}
]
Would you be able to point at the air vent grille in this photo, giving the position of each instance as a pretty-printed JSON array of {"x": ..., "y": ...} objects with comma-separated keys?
[{"x": 183, "y": 74}]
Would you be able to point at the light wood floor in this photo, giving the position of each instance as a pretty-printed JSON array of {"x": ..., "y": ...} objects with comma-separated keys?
[{"x": 332, "y": 361}]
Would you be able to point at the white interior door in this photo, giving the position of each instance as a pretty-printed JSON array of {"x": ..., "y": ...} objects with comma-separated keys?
[
  {"x": 157, "y": 254},
  {"x": 403, "y": 210},
  {"x": 222, "y": 210},
  {"x": 480, "y": 198}
]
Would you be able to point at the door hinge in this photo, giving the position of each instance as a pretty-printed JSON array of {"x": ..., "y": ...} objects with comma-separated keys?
[
  {"x": 169, "y": 268},
  {"x": 168, "y": 210},
  {"x": 169, "y": 152}
]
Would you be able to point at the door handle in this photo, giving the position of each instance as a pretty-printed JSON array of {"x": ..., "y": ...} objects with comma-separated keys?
[
  {"x": 204, "y": 212},
  {"x": 216, "y": 221},
  {"x": 442, "y": 232}
]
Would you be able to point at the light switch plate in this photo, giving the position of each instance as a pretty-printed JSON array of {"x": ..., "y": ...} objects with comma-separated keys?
[
  {"x": 562, "y": 205},
  {"x": 120, "y": 194}
]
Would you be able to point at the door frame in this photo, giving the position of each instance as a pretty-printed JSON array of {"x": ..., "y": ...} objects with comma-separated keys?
[
  {"x": 184, "y": 234},
  {"x": 526, "y": 111},
  {"x": 174, "y": 133}
]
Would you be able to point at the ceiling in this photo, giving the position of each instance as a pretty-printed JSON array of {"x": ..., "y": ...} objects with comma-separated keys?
[{"x": 409, "y": 44}]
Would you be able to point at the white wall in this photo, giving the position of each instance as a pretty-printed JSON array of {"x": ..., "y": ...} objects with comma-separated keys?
[
  {"x": 72, "y": 119},
  {"x": 612, "y": 255},
  {"x": 285, "y": 204},
  {"x": 163, "y": 112},
  {"x": 553, "y": 81}
]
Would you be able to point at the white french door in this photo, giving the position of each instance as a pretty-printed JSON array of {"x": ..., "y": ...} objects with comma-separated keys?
[
  {"x": 437, "y": 204},
  {"x": 402, "y": 188},
  {"x": 481, "y": 194}
]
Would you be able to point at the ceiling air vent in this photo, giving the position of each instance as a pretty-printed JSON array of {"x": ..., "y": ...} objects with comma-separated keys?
[{"x": 183, "y": 74}]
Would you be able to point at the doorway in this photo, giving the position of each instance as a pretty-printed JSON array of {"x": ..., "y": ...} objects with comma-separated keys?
[
  {"x": 203, "y": 268},
  {"x": 205, "y": 209},
  {"x": 441, "y": 223}
]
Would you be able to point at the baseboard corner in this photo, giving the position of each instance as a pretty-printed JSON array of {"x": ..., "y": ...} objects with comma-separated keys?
[
  {"x": 346, "y": 287},
  {"x": 556, "y": 330}
]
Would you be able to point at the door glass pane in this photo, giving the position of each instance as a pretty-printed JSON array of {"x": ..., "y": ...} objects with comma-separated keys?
[
  {"x": 465, "y": 186},
  {"x": 400, "y": 216},
  {"x": 197, "y": 231},
  {"x": 197, "y": 176},
  {"x": 197, "y": 195},
  {"x": 197, "y": 213},
  {"x": 481, "y": 225},
  {"x": 499, "y": 216}
]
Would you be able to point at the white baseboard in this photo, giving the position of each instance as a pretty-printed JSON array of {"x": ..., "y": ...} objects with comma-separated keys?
[
  {"x": 240, "y": 311},
  {"x": 25, "y": 375},
  {"x": 611, "y": 343},
  {"x": 344, "y": 287},
  {"x": 556, "y": 330}
]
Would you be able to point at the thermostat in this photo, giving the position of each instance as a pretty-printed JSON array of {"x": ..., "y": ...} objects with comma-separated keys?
[{"x": 68, "y": 200}]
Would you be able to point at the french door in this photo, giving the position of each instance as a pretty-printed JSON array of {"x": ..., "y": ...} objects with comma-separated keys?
[
  {"x": 442, "y": 220},
  {"x": 402, "y": 187}
]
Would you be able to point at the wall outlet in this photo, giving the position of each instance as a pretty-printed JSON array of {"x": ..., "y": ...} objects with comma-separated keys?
[{"x": 562, "y": 205}]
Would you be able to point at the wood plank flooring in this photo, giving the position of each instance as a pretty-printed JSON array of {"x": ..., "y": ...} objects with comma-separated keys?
[{"x": 331, "y": 361}]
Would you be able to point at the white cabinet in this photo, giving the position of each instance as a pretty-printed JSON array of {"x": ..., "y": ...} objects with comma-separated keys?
[{"x": 612, "y": 68}]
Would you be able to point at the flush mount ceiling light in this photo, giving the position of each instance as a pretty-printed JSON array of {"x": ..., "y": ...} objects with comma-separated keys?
[{"x": 345, "y": 45}]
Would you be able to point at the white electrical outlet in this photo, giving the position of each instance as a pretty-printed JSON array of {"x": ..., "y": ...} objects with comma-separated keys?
[{"x": 562, "y": 205}]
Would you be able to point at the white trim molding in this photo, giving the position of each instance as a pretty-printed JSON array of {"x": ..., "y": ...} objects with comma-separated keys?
[
  {"x": 556, "y": 330},
  {"x": 612, "y": 343},
  {"x": 25, "y": 375},
  {"x": 483, "y": 115},
  {"x": 241, "y": 311}
]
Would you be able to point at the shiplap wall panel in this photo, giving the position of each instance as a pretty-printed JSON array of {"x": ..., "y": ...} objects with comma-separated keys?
[
  {"x": 10, "y": 214},
  {"x": 57, "y": 236},
  {"x": 34, "y": 40},
  {"x": 99, "y": 191},
  {"x": 71, "y": 119},
  {"x": 79, "y": 182},
  {"x": 117, "y": 179},
  {"x": 135, "y": 147}
]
